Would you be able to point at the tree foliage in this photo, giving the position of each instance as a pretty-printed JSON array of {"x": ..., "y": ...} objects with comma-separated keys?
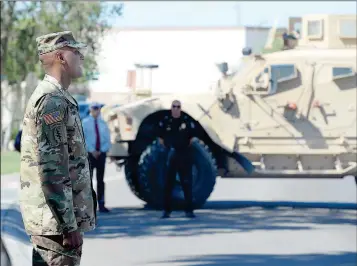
[
  {"x": 22, "y": 22},
  {"x": 278, "y": 45}
]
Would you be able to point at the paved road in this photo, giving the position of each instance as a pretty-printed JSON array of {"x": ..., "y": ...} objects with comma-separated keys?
[{"x": 221, "y": 235}]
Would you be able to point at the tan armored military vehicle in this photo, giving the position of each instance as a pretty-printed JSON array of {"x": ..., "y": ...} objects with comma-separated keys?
[{"x": 291, "y": 112}]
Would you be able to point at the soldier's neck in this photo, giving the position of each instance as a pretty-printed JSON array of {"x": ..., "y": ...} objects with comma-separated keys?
[{"x": 62, "y": 79}]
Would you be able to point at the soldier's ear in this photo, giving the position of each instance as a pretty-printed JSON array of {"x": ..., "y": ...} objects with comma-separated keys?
[{"x": 60, "y": 58}]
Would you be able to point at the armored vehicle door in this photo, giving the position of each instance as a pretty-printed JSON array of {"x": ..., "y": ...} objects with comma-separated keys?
[
  {"x": 333, "y": 109},
  {"x": 276, "y": 92}
]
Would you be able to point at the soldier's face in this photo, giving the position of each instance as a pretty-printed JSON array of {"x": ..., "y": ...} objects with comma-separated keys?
[
  {"x": 74, "y": 60},
  {"x": 176, "y": 109}
]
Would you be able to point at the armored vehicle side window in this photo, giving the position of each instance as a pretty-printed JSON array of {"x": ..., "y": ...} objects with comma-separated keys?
[
  {"x": 342, "y": 72},
  {"x": 347, "y": 28},
  {"x": 270, "y": 77},
  {"x": 281, "y": 73},
  {"x": 314, "y": 28}
]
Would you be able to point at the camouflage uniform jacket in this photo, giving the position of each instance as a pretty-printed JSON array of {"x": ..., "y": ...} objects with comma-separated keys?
[{"x": 55, "y": 195}]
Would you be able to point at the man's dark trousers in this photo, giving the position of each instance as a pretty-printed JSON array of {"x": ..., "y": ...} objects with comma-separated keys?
[
  {"x": 99, "y": 165},
  {"x": 181, "y": 163}
]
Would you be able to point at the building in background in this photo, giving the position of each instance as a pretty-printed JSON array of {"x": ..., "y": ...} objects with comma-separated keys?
[{"x": 186, "y": 58}]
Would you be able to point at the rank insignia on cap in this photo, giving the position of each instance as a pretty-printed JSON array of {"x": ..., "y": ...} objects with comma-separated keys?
[{"x": 52, "y": 118}]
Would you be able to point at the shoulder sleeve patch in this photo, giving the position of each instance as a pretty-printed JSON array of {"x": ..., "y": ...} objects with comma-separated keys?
[{"x": 52, "y": 118}]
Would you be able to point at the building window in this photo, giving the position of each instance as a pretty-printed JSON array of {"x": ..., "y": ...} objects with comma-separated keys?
[
  {"x": 342, "y": 72},
  {"x": 347, "y": 28},
  {"x": 314, "y": 29}
]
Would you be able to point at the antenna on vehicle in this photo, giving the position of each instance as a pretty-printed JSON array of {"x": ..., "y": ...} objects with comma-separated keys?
[{"x": 271, "y": 35}]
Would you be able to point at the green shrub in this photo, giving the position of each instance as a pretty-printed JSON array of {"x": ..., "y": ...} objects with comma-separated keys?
[{"x": 14, "y": 133}]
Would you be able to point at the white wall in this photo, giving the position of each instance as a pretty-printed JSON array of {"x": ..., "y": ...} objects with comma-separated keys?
[{"x": 186, "y": 57}]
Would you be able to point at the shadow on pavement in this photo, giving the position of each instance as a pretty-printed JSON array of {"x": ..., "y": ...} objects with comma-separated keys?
[
  {"x": 12, "y": 224},
  {"x": 5, "y": 258},
  {"x": 136, "y": 222},
  {"x": 345, "y": 259},
  {"x": 141, "y": 222}
]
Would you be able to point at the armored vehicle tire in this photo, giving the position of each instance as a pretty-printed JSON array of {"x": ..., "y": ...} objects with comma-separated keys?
[
  {"x": 152, "y": 173},
  {"x": 131, "y": 177}
]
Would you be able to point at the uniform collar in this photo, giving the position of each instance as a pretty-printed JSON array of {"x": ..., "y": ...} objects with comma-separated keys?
[
  {"x": 55, "y": 82},
  {"x": 176, "y": 118},
  {"x": 98, "y": 117}
]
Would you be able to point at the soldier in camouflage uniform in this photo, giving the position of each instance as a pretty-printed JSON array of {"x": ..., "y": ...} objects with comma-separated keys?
[{"x": 56, "y": 198}]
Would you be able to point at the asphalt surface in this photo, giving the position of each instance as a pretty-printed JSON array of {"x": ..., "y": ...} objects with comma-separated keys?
[{"x": 223, "y": 234}]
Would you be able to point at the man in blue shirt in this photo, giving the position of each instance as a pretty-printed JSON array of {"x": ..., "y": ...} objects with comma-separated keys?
[{"x": 97, "y": 136}]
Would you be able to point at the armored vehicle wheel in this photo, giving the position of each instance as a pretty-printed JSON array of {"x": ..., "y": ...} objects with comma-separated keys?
[
  {"x": 131, "y": 177},
  {"x": 152, "y": 173}
]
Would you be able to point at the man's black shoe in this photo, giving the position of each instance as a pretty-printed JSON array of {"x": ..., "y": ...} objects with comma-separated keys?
[
  {"x": 102, "y": 209},
  {"x": 165, "y": 215},
  {"x": 190, "y": 214}
]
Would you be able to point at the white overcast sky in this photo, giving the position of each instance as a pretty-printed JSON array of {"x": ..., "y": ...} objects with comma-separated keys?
[{"x": 221, "y": 13}]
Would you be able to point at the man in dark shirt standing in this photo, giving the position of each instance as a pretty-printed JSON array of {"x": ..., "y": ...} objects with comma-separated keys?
[{"x": 176, "y": 133}]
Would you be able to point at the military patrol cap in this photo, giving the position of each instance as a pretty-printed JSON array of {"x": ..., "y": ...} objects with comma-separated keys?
[{"x": 53, "y": 41}]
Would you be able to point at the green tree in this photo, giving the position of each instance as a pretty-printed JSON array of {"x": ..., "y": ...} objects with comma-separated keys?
[
  {"x": 277, "y": 45},
  {"x": 22, "y": 22}
]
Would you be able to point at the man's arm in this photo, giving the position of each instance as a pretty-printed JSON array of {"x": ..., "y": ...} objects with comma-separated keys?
[
  {"x": 161, "y": 131},
  {"x": 54, "y": 161},
  {"x": 88, "y": 135},
  {"x": 193, "y": 130},
  {"x": 107, "y": 143}
]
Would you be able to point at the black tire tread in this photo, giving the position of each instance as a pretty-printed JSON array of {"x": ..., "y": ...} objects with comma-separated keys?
[
  {"x": 130, "y": 180},
  {"x": 145, "y": 162}
]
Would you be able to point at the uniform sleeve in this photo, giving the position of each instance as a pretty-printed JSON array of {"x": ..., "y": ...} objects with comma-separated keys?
[
  {"x": 53, "y": 161},
  {"x": 161, "y": 129},
  {"x": 87, "y": 135},
  {"x": 107, "y": 144},
  {"x": 193, "y": 130}
]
